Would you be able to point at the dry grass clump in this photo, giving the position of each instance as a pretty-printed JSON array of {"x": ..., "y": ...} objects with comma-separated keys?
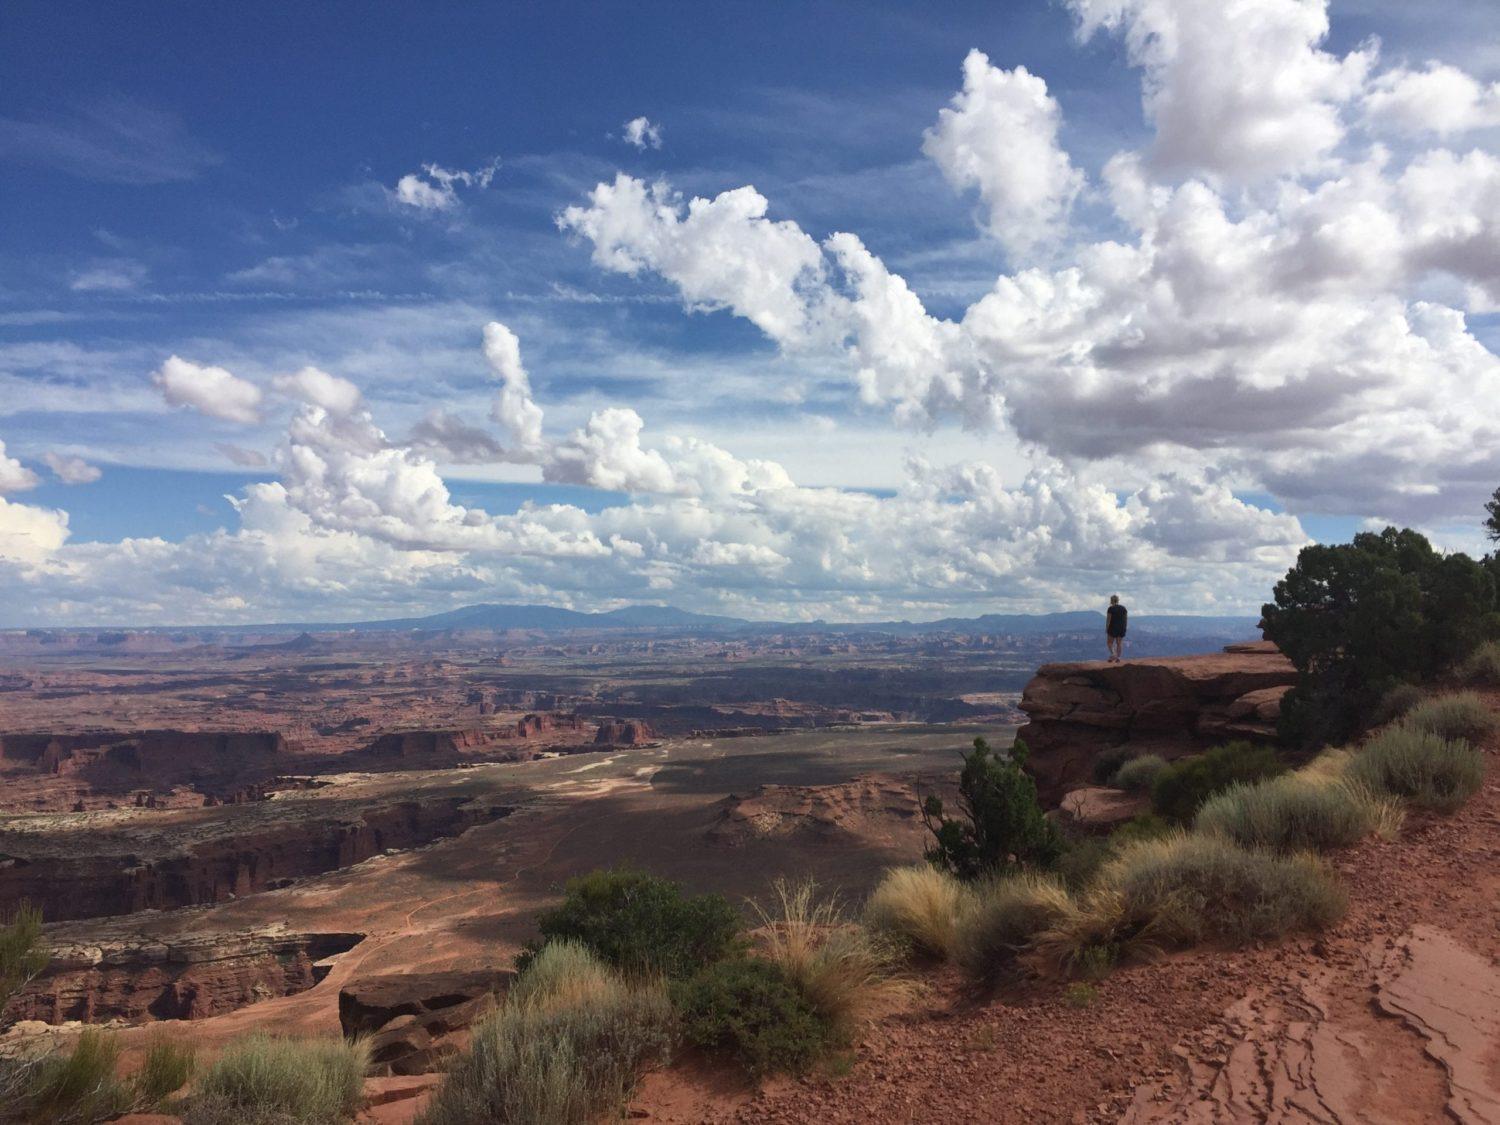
[
  {"x": 1188, "y": 888},
  {"x": 1482, "y": 667},
  {"x": 566, "y": 1048},
  {"x": 918, "y": 906},
  {"x": 264, "y": 1079},
  {"x": 844, "y": 969},
  {"x": 1421, "y": 767},
  {"x": 1460, "y": 716},
  {"x": 1096, "y": 932},
  {"x": 79, "y": 1086},
  {"x": 1003, "y": 918},
  {"x": 1296, "y": 813}
]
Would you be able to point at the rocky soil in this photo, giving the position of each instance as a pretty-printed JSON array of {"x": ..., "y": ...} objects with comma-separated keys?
[{"x": 1391, "y": 1016}]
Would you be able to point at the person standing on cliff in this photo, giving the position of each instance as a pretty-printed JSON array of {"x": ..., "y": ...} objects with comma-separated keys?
[{"x": 1115, "y": 619}]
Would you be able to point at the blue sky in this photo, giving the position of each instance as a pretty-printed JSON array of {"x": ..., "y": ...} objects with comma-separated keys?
[{"x": 221, "y": 183}]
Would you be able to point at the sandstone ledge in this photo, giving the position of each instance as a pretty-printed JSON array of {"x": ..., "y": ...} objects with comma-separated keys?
[{"x": 1170, "y": 706}]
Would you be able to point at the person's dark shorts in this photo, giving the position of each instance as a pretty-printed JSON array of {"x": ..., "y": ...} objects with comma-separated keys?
[{"x": 1114, "y": 633}]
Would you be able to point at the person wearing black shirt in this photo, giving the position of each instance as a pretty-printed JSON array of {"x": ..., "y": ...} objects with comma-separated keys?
[{"x": 1114, "y": 628}]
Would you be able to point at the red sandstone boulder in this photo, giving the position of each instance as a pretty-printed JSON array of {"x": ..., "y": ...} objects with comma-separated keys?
[{"x": 413, "y": 1019}]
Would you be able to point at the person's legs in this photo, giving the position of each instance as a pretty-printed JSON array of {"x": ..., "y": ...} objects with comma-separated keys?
[{"x": 1114, "y": 646}]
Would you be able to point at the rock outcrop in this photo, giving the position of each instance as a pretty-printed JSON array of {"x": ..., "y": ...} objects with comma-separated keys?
[
  {"x": 874, "y": 809},
  {"x": 412, "y": 1019},
  {"x": 1170, "y": 706},
  {"x": 134, "y": 977},
  {"x": 629, "y": 732},
  {"x": 192, "y": 862}
]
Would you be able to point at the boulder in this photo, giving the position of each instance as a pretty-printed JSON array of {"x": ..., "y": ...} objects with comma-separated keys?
[
  {"x": 414, "y": 1019},
  {"x": 1097, "y": 808}
]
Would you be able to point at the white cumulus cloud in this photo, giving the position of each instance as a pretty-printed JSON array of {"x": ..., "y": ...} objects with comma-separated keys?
[
  {"x": 641, "y": 132},
  {"x": 209, "y": 390}
]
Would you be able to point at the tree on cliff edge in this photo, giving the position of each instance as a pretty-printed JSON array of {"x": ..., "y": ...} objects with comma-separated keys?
[
  {"x": 1358, "y": 618},
  {"x": 1492, "y": 525},
  {"x": 1001, "y": 824}
]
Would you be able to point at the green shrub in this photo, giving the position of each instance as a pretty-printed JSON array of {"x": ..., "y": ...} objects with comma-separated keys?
[
  {"x": 1482, "y": 668},
  {"x": 1139, "y": 774},
  {"x": 76, "y": 1087},
  {"x": 168, "y": 1065},
  {"x": 1291, "y": 814},
  {"x": 844, "y": 969},
  {"x": 566, "y": 1048},
  {"x": 1421, "y": 767},
  {"x": 21, "y": 954},
  {"x": 1188, "y": 888},
  {"x": 1082, "y": 861},
  {"x": 919, "y": 907},
  {"x": 1000, "y": 823},
  {"x": 747, "y": 1008},
  {"x": 1004, "y": 917},
  {"x": 641, "y": 924},
  {"x": 1358, "y": 618},
  {"x": 1464, "y": 716},
  {"x": 270, "y": 1078},
  {"x": 1108, "y": 762},
  {"x": 1395, "y": 703},
  {"x": 1182, "y": 787}
]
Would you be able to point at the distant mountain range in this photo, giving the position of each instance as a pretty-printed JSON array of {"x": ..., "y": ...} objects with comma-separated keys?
[{"x": 668, "y": 618}]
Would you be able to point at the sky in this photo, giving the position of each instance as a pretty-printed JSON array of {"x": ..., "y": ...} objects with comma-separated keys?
[{"x": 841, "y": 310}]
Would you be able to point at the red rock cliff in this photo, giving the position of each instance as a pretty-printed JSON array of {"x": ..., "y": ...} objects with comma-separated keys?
[{"x": 1170, "y": 706}]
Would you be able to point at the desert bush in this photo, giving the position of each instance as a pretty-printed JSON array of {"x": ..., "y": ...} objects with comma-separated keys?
[
  {"x": 21, "y": 954},
  {"x": 844, "y": 969},
  {"x": 1482, "y": 668},
  {"x": 1463, "y": 715},
  {"x": 1294, "y": 813},
  {"x": 919, "y": 907},
  {"x": 1145, "y": 826},
  {"x": 1188, "y": 888},
  {"x": 566, "y": 1048},
  {"x": 1000, "y": 823},
  {"x": 1093, "y": 934},
  {"x": 166, "y": 1068},
  {"x": 1395, "y": 703},
  {"x": 1139, "y": 774},
  {"x": 1423, "y": 768},
  {"x": 750, "y": 1010},
  {"x": 1003, "y": 918},
  {"x": 1082, "y": 861},
  {"x": 1181, "y": 788},
  {"x": 1358, "y": 618},
  {"x": 266, "y": 1078},
  {"x": 74, "y": 1087},
  {"x": 640, "y": 923}
]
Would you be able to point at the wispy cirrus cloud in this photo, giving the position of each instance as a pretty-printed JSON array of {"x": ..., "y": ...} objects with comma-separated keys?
[{"x": 118, "y": 141}]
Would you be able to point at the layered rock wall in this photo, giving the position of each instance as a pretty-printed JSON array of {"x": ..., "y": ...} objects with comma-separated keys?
[{"x": 1170, "y": 706}]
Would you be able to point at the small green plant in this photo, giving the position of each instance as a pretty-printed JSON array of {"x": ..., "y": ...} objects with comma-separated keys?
[
  {"x": 641, "y": 923},
  {"x": 748, "y": 1009},
  {"x": 1082, "y": 861},
  {"x": 167, "y": 1067},
  {"x": 21, "y": 954},
  {"x": 1482, "y": 668},
  {"x": 1464, "y": 716},
  {"x": 1139, "y": 774},
  {"x": 1182, "y": 787},
  {"x": 76, "y": 1087},
  {"x": 844, "y": 969},
  {"x": 918, "y": 907},
  {"x": 1004, "y": 917},
  {"x": 270, "y": 1078},
  {"x": 1429, "y": 771},
  {"x": 1000, "y": 824},
  {"x": 1146, "y": 826},
  {"x": 566, "y": 1048},
  {"x": 1080, "y": 994},
  {"x": 1292, "y": 814}
]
